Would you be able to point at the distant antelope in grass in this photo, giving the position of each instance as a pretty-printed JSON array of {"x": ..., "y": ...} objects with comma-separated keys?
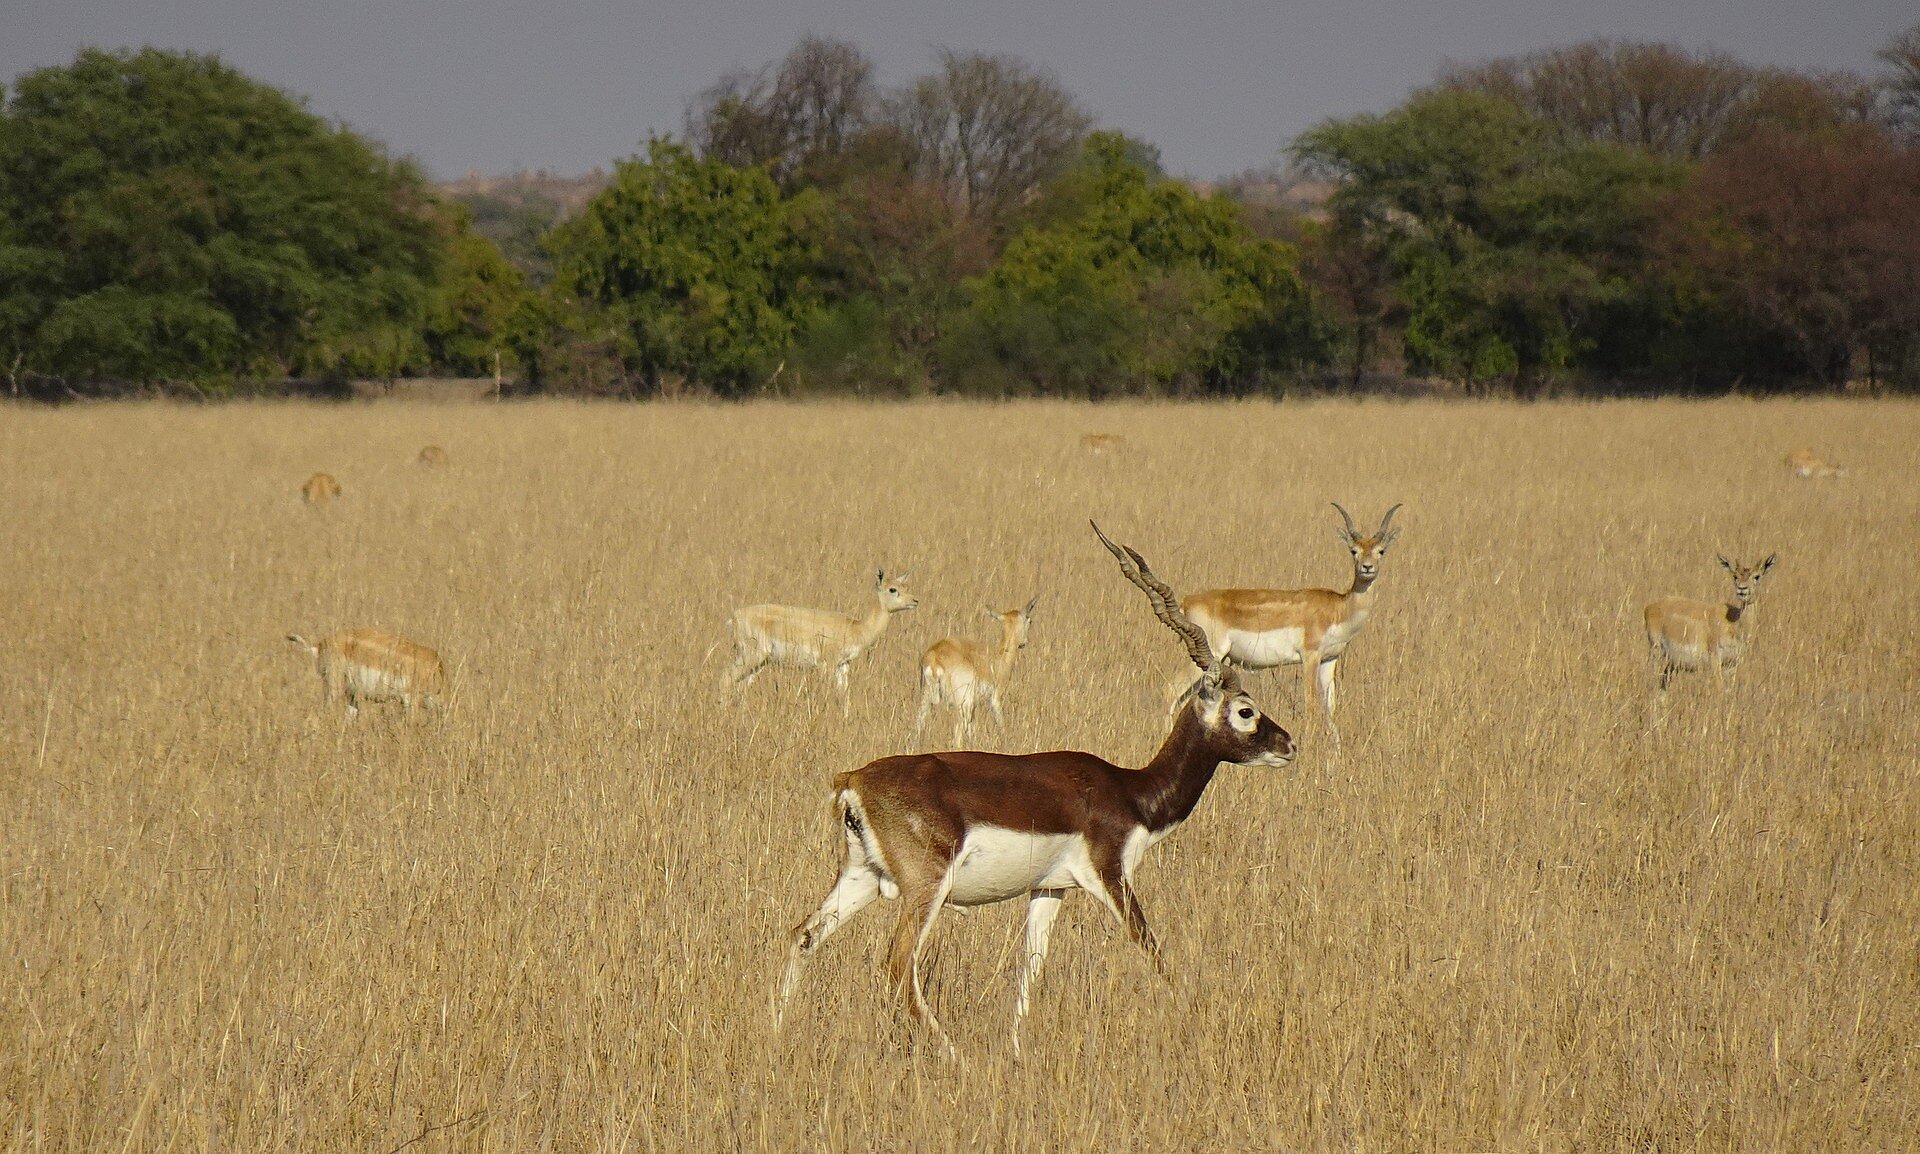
[
  {"x": 1102, "y": 443},
  {"x": 962, "y": 674},
  {"x": 1687, "y": 634},
  {"x": 1806, "y": 463},
  {"x": 1311, "y": 628},
  {"x": 971, "y": 829},
  {"x": 432, "y": 457},
  {"x": 320, "y": 490},
  {"x": 783, "y": 635},
  {"x": 374, "y": 665}
]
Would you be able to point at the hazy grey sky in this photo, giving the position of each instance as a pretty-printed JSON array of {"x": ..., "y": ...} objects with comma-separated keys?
[{"x": 1219, "y": 85}]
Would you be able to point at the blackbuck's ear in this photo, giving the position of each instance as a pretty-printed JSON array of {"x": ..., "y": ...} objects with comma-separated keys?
[
  {"x": 1724, "y": 563},
  {"x": 903, "y": 578},
  {"x": 1767, "y": 564},
  {"x": 989, "y": 614},
  {"x": 1028, "y": 611},
  {"x": 879, "y": 575}
]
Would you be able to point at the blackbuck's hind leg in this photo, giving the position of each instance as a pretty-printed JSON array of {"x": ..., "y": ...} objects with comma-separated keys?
[
  {"x": 1042, "y": 907},
  {"x": 1329, "y": 683},
  {"x": 857, "y": 887},
  {"x": 920, "y": 908}
]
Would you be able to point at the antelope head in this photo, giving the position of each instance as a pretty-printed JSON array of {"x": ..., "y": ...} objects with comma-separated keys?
[
  {"x": 1367, "y": 551},
  {"x": 1232, "y": 725},
  {"x": 893, "y": 596},
  {"x": 1746, "y": 578},
  {"x": 1015, "y": 624}
]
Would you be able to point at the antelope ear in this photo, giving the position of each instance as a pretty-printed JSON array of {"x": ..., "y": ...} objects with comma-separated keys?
[
  {"x": 1028, "y": 611},
  {"x": 989, "y": 614},
  {"x": 879, "y": 576},
  {"x": 1724, "y": 563},
  {"x": 1767, "y": 564},
  {"x": 903, "y": 577}
]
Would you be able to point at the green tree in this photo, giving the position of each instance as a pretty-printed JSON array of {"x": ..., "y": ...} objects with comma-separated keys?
[
  {"x": 1137, "y": 283},
  {"x": 167, "y": 217},
  {"x": 1509, "y": 243},
  {"x": 698, "y": 268}
]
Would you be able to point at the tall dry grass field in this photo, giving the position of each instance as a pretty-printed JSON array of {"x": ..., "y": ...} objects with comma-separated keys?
[{"x": 1523, "y": 909}]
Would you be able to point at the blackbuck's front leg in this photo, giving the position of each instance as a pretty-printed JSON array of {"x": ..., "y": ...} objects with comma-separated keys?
[{"x": 856, "y": 889}]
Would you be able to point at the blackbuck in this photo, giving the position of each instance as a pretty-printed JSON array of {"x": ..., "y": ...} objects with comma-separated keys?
[
  {"x": 963, "y": 674},
  {"x": 374, "y": 665},
  {"x": 1311, "y": 628},
  {"x": 783, "y": 635},
  {"x": 1807, "y": 463},
  {"x": 969, "y": 828},
  {"x": 1687, "y": 634},
  {"x": 320, "y": 490},
  {"x": 1102, "y": 443},
  {"x": 432, "y": 457}
]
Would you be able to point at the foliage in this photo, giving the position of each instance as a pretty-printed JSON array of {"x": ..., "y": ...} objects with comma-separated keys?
[
  {"x": 698, "y": 269},
  {"x": 1147, "y": 285},
  {"x": 170, "y": 218}
]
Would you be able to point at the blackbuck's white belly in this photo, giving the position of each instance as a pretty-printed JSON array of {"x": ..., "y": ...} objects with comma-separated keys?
[
  {"x": 995, "y": 864},
  {"x": 1265, "y": 650},
  {"x": 371, "y": 684}
]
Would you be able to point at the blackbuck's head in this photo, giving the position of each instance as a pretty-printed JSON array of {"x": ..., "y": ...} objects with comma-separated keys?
[
  {"x": 1746, "y": 578},
  {"x": 892, "y": 594},
  {"x": 1233, "y": 726},
  {"x": 1015, "y": 624},
  {"x": 1367, "y": 551}
]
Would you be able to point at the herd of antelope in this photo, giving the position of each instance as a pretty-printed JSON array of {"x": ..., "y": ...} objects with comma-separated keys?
[{"x": 968, "y": 828}]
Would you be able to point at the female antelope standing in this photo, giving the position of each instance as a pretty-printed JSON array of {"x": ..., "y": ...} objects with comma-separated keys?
[
  {"x": 785, "y": 635},
  {"x": 374, "y": 665},
  {"x": 970, "y": 829},
  {"x": 962, "y": 674}
]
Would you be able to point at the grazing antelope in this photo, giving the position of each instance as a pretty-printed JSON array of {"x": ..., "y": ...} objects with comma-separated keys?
[
  {"x": 970, "y": 829},
  {"x": 766, "y": 635},
  {"x": 374, "y": 665},
  {"x": 1101, "y": 443},
  {"x": 432, "y": 457},
  {"x": 1311, "y": 628},
  {"x": 1687, "y": 634},
  {"x": 1805, "y": 463},
  {"x": 961, "y": 674},
  {"x": 319, "y": 490}
]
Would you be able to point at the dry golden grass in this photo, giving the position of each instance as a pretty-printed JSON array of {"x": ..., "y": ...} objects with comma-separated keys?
[{"x": 1523, "y": 909}]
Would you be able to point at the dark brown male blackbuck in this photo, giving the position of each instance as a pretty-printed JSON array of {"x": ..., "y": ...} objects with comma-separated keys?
[{"x": 970, "y": 829}]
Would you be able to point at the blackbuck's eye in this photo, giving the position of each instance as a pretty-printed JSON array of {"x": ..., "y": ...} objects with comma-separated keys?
[{"x": 1246, "y": 713}]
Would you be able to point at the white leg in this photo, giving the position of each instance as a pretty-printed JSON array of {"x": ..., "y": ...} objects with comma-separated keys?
[
  {"x": 920, "y": 718},
  {"x": 858, "y": 886},
  {"x": 1329, "y": 688},
  {"x": 1042, "y": 907},
  {"x": 840, "y": 683},
  {"x": 993, "y": 699}
]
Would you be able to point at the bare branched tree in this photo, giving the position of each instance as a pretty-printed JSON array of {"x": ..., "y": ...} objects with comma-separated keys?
[
  {"x": 990, "y": 128},
  {"x": 809, "y": 104},
  {"x": 1660, "y": 97},
  {"x": 1901, "y": 82}
]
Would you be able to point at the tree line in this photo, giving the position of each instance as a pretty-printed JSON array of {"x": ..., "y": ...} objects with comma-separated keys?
[{"x": 1602, "y": 217}]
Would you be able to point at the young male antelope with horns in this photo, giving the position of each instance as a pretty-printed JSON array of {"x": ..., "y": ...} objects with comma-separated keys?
[
  {"x": 1688, "y": 634},
  {"x": 962, "y": 674},
  {"x": 766, "y": 635},
  {"x": 970, "y": 829},
  {"x": 1311, "y": 628}
]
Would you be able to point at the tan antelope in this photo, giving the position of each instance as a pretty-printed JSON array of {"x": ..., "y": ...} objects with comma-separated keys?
[
  {"x": 783, "y": 635},
  {"x": 320, "y": 490},
  {"x": 962, "y": 674},
  {"x": 432, "y": 457},
  {"x": 1806, "y": 463},
  {"x": 1102, "y": 443},
  {"x": 374, "y": 665},
  {"x": 1687, "y": 634},
  {"x": 1311, "y": 628},
  {"x": 969, "y": 829}
]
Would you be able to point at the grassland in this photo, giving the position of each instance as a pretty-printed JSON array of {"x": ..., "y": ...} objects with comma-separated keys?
[{"x": 1522, "y": 910}]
